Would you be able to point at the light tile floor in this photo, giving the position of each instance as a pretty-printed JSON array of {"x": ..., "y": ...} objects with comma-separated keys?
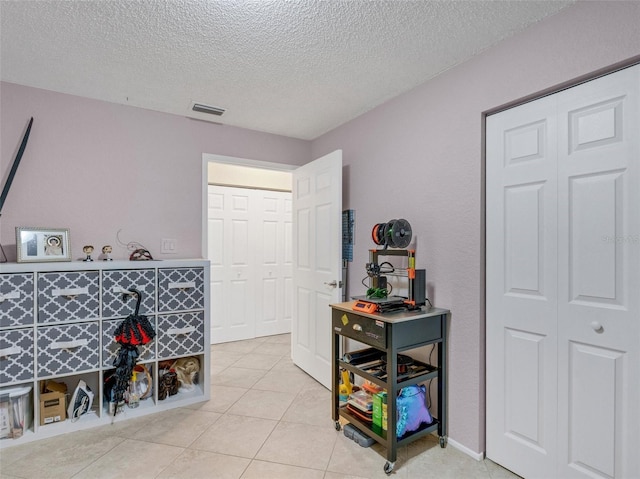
[{"x": 266, "y": 419}]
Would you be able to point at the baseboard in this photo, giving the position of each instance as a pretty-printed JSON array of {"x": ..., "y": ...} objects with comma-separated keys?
[{"x": 478, "y": 456}]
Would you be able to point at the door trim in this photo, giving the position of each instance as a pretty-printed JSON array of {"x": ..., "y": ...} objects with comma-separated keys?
[
  {"x": 629, "y": 62},
  {"x": 204, "y": 183}
]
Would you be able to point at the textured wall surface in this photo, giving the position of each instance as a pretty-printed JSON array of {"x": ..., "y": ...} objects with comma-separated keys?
[
  {"x": 98, "y": 167},
  {"x": 420, "y": 157}
]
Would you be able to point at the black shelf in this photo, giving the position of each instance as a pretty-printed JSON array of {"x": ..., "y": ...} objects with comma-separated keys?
[
  {"x": 373, "y": 368},
  {"x": 406, "y": 438}
]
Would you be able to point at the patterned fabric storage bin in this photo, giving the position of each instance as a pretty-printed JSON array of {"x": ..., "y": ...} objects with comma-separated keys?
[
  {"x": 16, "y": 300},
  {"x": 110, "y": 346},
  {"x": 16, "y": 355},
  {"x": 68, "y": 296},
  {"x": 68, "y": 348},
  {"x": 180, "y": 334},
  {"x": 180, "y": 289},
  {"x": 116, "y": 281}
]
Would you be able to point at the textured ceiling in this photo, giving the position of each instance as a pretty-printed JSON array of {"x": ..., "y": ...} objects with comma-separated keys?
[{"x": 296, "y": 68}]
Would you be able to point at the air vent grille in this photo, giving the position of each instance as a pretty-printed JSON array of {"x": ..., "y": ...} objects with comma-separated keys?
[{"x": 211, "y": 110}]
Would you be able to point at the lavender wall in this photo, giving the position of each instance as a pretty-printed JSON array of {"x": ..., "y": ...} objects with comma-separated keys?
[
  {"x": 420, "y": 157},
  {"x": 98, "y": 167}
]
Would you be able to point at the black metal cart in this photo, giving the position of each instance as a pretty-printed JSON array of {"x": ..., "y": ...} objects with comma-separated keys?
[{"x": 390, "y": 334}]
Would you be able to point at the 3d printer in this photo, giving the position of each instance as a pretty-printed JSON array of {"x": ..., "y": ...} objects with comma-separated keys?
[{"x": 393, "y": 234}]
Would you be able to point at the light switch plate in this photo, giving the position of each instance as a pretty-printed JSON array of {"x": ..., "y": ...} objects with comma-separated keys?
[{"x": 169, "y": 246}]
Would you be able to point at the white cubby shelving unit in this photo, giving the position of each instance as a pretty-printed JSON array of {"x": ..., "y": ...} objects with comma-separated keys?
[{"x": 57, "y": 321}]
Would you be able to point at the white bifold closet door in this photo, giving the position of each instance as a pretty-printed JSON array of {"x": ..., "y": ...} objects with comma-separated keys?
[
  {"x": 250, "y": 250},
  {"x": 563, "y": 282}
]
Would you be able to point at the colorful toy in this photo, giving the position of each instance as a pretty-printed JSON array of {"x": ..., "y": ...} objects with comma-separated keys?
[{"x": 412, "y": 409}]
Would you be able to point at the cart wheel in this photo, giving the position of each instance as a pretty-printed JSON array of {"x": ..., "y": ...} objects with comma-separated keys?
[
  {"x": 338, "y": 427},
  {"x": 443, "y": 441},
  {"x": 388, "y": 467}
]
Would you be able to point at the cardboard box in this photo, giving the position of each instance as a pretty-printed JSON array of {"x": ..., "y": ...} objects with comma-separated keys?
[{"x": 52, "y": 408}]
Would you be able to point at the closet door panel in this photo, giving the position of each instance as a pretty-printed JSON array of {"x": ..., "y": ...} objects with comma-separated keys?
[
  {"x": 599, "y": 277},
  {"x": 230, "y": 212},
  {"x": 521, "y": 288}
]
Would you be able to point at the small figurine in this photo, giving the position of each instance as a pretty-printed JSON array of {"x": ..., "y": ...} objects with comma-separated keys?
[
  {"x": 168, "y": 385},
  {"x": 88, "y": 250},
  {"x": 106, "y": 251}
]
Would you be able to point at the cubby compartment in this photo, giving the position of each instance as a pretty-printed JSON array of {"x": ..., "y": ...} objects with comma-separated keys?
[
  {"x": 116, "y": 303},
  {"x": 110, "y": 346},
  {"x": 68, "y": 348},
  {"x": 81, "y": 396},
  {"x": 180, "y": 334},
  {"x": 139, "y": 396},
  {"x": 16, "y": 355},
  {"x": 68, "y": 296},
  {"x": 16, "y": 411},
  {"x": 16, "y": 300},
  {"x": 180, "y": 289},
  {"x": 180, "y": 378}
]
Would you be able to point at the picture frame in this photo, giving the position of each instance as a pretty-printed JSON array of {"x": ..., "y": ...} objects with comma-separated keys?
[{"x": 41, "y": 245}]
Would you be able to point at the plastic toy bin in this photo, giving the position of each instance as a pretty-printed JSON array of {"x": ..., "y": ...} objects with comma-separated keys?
[{"x": 16, "y": 411}]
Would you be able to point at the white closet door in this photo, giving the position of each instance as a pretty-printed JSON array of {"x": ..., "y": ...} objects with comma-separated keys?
[
  {"x": 230, "y": 253},
  {"x": 522, "y": 288},
  {"x": 563, "y": 282},
  {"x": 273, "y": 256},
  {"x": 599, "y": 278}
]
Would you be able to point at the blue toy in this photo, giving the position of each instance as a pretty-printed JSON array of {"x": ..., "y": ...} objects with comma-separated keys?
[{"x": 412, "y": 409}]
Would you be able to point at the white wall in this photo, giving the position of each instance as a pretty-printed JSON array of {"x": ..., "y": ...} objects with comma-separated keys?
[{"x": 420, "y": 157}]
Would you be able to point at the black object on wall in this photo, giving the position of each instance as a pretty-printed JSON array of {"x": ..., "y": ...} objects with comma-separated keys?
[
  {"x": 14, "y": 167},
  {"x": 12, "y": 174}
]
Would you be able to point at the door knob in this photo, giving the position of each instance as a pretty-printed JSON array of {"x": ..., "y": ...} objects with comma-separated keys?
[
  {"x": 596, "y": 326},
  {"x": 333, "y": 284}
]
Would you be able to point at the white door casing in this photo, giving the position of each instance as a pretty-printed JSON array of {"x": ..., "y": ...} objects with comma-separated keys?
[
  {"x": 317, "y": 262},
  {"x": 563, "y": 218}
]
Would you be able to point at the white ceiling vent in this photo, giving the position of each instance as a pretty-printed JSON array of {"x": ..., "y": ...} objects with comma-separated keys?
[{"x": 211, "y": 110}]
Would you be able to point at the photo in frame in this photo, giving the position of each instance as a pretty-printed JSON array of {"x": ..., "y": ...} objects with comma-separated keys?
[{"x": 42, "y": 244}]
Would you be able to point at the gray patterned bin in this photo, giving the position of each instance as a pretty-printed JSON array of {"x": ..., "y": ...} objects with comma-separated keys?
[
  {"x": 110, "y": 346},
  {"x": 68, "y": 296},
  {"x": 180, "y": 289},
  {"x": 180, "y": 334},
  {"x": 16, "y": 300},
  {"x": 16, "y": 355},
  {"x": 116, "y": 281},
  {"x": 68, "y": 348}
]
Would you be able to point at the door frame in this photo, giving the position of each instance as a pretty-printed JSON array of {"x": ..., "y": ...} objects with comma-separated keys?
[
  {"x": 635, "y": 60},
  {"x": 231, "y": 160}
]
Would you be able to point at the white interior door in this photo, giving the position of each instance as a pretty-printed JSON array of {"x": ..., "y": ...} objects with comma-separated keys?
[
  {"x": 317, "y": 262},
  {"x": 563, "y": 282}
]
